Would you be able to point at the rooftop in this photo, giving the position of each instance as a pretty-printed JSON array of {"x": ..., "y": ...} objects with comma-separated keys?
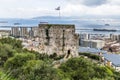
[
  {"x": 91, "y": 50},
  {"x": 114, "y": 58}
]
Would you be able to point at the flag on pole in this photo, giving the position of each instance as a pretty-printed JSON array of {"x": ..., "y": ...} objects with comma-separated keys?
[{"x": 58, "y": 8}]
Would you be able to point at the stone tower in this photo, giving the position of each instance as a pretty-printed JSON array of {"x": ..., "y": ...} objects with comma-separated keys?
[{"x": 58, "y": 38}]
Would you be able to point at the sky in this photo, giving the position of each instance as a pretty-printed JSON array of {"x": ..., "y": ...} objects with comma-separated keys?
[{"x": 69, "y": 8}]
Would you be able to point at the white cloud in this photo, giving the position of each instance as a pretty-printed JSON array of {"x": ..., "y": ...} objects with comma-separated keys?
[
  {"x": 88, "y": 2},
  {"x": 114, "y": 2},
  {"x": 107, "y": 9},
  {"x": 33, "y": 8},
  {"x": 26, "y": 8}
]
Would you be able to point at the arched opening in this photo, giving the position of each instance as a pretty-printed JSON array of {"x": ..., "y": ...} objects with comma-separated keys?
[{"x": 68, "y": 53}]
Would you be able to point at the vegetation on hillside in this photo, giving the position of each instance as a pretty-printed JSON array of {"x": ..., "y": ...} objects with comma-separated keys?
[{"x": 20, "y": 64}]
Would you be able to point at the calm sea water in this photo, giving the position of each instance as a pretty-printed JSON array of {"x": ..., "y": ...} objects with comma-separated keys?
[{"x": 79, "y": 23}]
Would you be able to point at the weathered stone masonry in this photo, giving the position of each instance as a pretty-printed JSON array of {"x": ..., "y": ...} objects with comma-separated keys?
[{"x": 57, "y": 38}]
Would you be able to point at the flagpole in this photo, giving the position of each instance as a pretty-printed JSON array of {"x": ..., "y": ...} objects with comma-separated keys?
[{"x": 59, "y": 14}]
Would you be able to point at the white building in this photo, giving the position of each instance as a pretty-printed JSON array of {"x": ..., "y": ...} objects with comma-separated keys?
[
  {"x": 115, "y": 37},
  {"x": 92, "y": 43}
]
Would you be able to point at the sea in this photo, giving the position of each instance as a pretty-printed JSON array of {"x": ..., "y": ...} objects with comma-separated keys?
[{"x": 81, "y": 25}]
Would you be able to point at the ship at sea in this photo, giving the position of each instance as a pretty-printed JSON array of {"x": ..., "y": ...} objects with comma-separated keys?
[
  {"x": 107, "y": 24},
  {"x": 3, "y": 22},
  {"x": 109, "y": 30}
]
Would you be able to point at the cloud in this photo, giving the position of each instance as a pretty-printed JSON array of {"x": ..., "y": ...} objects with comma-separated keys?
[
  {"x": 82, "y": 10},
  {"x": 114, "y": 2},
  {"x": 27, "y": 8},
  {"x": 88, "y": 2},
  {"x": 33, "y": 8},
  {"x": 26, "y": 12}
]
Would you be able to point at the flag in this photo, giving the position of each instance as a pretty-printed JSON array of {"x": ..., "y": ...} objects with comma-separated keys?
[{"x": 58, "y": 8}]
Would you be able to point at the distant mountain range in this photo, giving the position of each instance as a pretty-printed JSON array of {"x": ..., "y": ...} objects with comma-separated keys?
[
  {"x": 54, "y": 17},
  {"x": 80, "y": 17}
]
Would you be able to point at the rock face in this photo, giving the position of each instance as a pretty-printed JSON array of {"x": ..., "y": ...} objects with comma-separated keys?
[{"x": 58, "y": 38}]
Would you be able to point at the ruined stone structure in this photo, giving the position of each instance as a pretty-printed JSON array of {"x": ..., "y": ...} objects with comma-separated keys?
[
  {"x": 51, "y": 38},
  {"x": 58, "y": 38}
]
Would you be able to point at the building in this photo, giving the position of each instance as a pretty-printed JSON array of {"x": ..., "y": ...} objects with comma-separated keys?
[
  {"x": 24, "y": 32},
  {"x": 115, "y": 37},
  {"x": 4, "y": 33},
  {"x": 93, "y": 43},
  {"x": 19, "y": 31},
  {"x": 112, "y": 60},
  {"x": 58, "y": 38},
  {"x": 85, "y": 36},
  {"x": 15, "y": 31},
  {"x": 33, "y": 32}
]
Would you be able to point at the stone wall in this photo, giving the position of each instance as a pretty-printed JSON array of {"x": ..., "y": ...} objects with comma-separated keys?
[{"x": 57, "y": 38}]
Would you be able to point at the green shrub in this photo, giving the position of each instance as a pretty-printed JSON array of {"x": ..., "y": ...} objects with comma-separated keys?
[
  {"x": 92, "y": 56},
  {"x": 18, "y": 60}
]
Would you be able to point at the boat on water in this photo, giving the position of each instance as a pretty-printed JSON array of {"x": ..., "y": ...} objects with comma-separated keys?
[
  {"x": 110, "y": 30},
  {"x": 107, "y": 24},
  {"x": 16, "y": 23},
  {"x": 3, "y": 22}
]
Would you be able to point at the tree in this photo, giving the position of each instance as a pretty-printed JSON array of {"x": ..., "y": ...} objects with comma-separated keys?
[
  {"x": 5, "y": 52},
  {"x": 6, "y": 76},
  {"x": 38, "y": 70},
  {"x": 103, "y": 72},
  {"x": 84, "y": 69},
  {"x": 78, "y": 68},
  {"x": 15, "y": 63},
  {"x": 18, "y": 60},
  {"x": 13, "y": 42}
]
